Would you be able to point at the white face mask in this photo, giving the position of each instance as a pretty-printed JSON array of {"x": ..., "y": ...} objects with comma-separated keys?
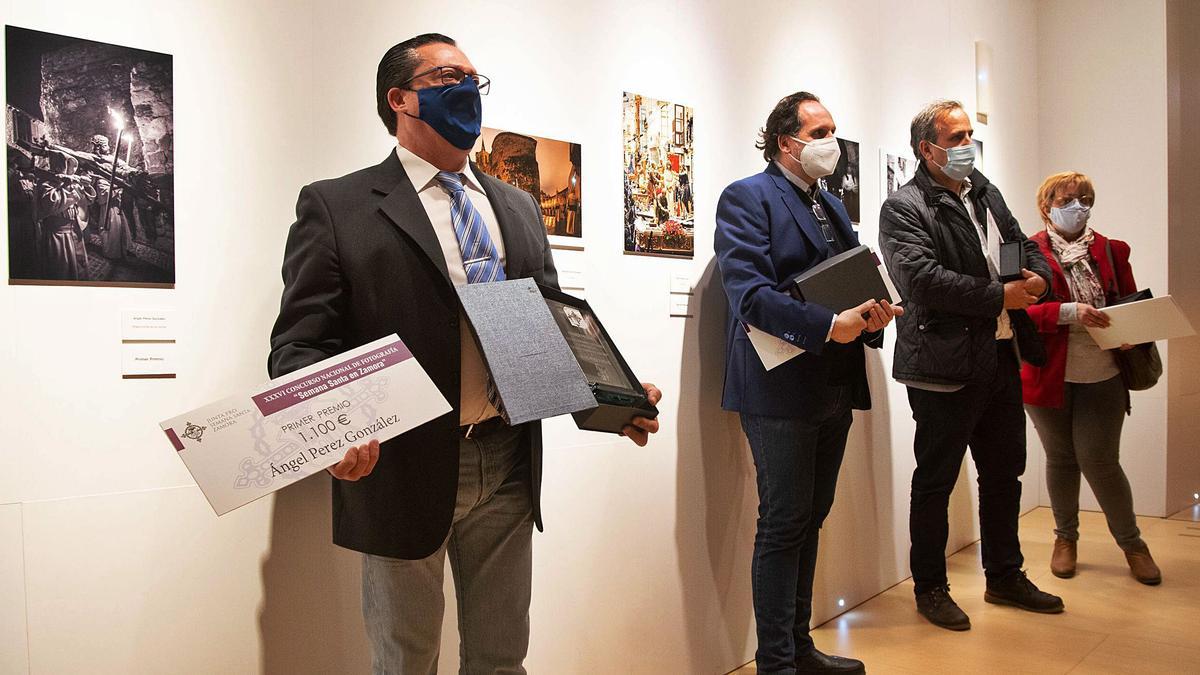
[
  {"x": 1072, "y": 218},
  {"x": 819, "y": 157}
]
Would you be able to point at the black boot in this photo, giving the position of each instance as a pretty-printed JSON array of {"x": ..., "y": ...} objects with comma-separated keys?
[
  {"x": 816, "y": 662},
  {"x": 941, "y": 610},
  {"x": 1017, "y": 590}
]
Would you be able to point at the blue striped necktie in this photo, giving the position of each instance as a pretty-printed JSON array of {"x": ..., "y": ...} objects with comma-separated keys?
[{"x": 480, "y": 258}]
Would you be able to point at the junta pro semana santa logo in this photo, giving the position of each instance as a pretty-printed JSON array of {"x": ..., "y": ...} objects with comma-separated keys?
[{"x": 194, "y": 432}]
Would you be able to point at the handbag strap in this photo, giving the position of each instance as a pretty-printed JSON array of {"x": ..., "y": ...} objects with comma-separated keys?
[{"x": 1112, "y": 266}]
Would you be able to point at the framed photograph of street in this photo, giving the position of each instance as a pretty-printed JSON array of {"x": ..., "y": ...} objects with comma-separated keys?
[
  {"x": 549, "y": 170},
  {"x": 659, "y": 159}
]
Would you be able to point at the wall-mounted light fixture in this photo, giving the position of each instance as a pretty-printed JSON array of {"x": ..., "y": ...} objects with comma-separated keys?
[{"x": 983, "y": 81}]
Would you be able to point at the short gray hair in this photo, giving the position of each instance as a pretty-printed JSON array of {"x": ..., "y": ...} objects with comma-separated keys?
[{"x": 924, "y": 125}]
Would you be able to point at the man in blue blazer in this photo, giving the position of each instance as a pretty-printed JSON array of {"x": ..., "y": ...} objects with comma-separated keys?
[{"x": 771, "y": 227}]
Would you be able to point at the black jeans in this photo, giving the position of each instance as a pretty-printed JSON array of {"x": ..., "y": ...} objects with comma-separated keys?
[
  {"x": 989, "y": 418},
  {"x": 797, "y": 462}
]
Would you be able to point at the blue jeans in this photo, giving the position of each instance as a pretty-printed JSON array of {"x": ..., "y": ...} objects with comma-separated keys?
[
  {"x": 797, "y": 461},
  {"x": 491, "y": 558}
]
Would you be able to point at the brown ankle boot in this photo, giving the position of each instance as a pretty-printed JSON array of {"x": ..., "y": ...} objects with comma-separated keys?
[
  {"x": 1142, "y": 566},
  {"x": 1062, "y": 562}
]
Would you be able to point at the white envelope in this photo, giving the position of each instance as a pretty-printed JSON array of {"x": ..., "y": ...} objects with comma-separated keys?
[
  {"x": 254, "y": 443},
  {"x": 1142, "y": 321},
  {"x": 771, "y": 350}
]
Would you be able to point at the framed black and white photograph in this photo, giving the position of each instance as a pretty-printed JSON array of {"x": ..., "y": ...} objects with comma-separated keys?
[
  {"x": 844, "y": 181},
  {"x": 91, "y": 162},
  {"x": 895, "y": 171}
]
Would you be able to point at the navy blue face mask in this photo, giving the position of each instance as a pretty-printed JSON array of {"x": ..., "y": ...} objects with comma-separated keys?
[{"x": 455, "y": 111}]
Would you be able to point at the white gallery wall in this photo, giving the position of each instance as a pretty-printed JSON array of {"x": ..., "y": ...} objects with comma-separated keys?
[
  {"x": 125, "y": 569},
  {"x": 1103, "y": 111},
  {"x": 107, "y": 546}
]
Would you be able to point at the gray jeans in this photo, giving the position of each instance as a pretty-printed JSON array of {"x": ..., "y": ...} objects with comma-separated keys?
[
  {"x": 490, "y": 549},
  {"x": 1084, "y": 437}
]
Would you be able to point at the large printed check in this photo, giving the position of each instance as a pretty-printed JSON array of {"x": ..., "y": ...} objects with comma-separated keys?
[{"x": 246, "y": 446}]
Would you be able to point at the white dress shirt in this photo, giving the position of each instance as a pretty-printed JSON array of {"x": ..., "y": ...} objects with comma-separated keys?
[
  {"x": 474, "y": 406},
  {"x": 799, "y": 182},
  {"x": 1003, "y": 323}
]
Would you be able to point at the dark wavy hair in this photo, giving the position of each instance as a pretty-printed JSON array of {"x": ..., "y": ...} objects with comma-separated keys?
[
  {"x": 784, "y": 120},
  {"x": 397, "y": 66}
]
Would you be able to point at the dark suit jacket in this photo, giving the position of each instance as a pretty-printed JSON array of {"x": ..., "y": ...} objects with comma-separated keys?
[
  {"x": 362, "y": 261},
  {"x": 766, "y": 236}
]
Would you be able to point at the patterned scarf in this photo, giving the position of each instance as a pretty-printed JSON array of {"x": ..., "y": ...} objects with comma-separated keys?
[{"x": 1076, "y": 262}]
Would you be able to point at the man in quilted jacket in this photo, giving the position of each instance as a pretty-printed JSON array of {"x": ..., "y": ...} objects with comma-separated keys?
[{"x": 958, "y": 350}]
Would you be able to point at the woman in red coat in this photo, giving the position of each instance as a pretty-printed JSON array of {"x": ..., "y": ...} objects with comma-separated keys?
[{"x": 1077, "y": 400}]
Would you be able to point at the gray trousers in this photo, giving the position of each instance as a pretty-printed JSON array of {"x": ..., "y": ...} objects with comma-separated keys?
[
  {"x": 1084, "y": 437},
  {"x": 491, "y": 559}
]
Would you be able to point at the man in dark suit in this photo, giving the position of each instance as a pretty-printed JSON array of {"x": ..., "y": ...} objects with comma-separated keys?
[
  {"x": 771, "y": 227},
  {"x": 379, "y": 251}
]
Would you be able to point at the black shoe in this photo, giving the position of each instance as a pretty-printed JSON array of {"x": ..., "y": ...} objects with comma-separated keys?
[
  {"x": 816, "y": 662},
  {"x": 941, "y": 610},
  {"x": 1017, "y": 590}
]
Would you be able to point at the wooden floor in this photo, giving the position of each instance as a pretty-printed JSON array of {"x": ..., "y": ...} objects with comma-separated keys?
[{"x": 1112, "y": 624}]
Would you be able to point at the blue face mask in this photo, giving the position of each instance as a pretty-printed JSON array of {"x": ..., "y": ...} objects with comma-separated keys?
[
  {"x": 455, "y": 111},
  {"x": 960, "y": 161}
]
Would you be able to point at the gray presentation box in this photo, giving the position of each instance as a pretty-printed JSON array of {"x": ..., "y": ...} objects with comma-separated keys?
[{"x": 549, "y": 355}]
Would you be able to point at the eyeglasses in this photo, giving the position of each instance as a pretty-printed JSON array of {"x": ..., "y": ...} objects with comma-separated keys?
[
  {"x": 445, "y": 75},
  {"x": 823, "y": 221},
  {"x": 1085, "y": 200}
]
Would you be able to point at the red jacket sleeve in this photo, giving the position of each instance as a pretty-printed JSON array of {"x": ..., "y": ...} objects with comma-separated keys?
[{"x": 1045, "y": 315}]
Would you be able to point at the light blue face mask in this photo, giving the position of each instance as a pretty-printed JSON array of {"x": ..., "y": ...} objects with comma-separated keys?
[
  {"x": 1072, "y": 218},
  {"x": 960, "y": 161}
]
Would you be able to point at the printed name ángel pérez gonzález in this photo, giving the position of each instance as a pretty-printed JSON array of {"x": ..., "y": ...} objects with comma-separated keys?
[{"x": 347, "y": 439}]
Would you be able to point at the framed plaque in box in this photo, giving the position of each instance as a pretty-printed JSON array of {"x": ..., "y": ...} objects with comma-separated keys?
[
  {"x": 619, "y": 394},
  {"x": 548, "y": 355}
]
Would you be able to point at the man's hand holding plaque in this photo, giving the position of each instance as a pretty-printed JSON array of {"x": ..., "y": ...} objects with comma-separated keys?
[{"x": 640, "y": 428}]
